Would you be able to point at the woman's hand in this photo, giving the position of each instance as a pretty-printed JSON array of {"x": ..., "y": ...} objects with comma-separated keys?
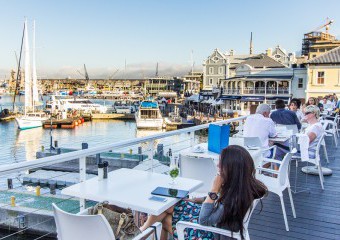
[{"x": 217, "y": 184}]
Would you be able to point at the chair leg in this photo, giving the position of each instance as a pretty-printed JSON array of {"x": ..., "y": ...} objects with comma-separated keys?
[
  {"x": 325, "y": 152},
  {"x": 291, "y": 201},
  {"x": 335, "y": 140},
  {"x": 321, "y": 176},
  {"x": 284, "y": 213}
]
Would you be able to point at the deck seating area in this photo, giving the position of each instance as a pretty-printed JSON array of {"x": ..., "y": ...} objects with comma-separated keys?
[{"x": 317, "y": 210}]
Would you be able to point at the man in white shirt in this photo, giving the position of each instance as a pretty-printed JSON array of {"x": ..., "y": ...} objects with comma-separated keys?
[{"x": 260, "y": 125}]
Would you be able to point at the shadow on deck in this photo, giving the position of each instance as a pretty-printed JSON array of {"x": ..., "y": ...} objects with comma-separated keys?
[{"x": 318, "y": 211}]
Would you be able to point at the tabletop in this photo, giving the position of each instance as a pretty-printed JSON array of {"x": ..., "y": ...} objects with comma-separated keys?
[
  {"x": 255, "y": 153},
  {"x": 128, "y": 188}
]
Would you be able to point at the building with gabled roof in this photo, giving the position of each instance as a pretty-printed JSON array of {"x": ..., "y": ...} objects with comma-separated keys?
[{"x": 323, "y": 74}]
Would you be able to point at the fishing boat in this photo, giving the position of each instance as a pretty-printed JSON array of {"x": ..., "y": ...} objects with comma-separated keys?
[
  {"x": 149, "y": 116},
  {"x": 30, "y": 119}
]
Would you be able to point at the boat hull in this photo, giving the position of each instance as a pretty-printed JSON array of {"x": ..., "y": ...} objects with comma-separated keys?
[
  {"x": 24, "y": 123},
  {"x": 149, "y": 123}
]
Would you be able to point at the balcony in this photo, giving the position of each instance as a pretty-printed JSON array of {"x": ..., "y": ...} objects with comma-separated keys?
[{"x": 258, "y": 90}]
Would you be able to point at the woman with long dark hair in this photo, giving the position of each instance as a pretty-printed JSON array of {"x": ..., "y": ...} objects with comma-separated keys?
[{"x": 232, "y": 194}]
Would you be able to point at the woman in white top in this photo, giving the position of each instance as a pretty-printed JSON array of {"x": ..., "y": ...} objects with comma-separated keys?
[{"x": 315, "y": 129}]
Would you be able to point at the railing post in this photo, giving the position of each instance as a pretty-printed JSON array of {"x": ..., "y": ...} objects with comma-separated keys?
[
  {"x": 82, "y": 178},
  {"x": 192, "y": 138},
  {"x": 151, "y": 151}
]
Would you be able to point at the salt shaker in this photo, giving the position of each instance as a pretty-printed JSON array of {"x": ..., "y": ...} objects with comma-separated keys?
[
  {"x": 106, "y": 164},
  {"x": 100, "y": 171}
]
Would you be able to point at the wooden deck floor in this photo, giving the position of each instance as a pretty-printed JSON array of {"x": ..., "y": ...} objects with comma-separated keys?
[{"x": 318, "y": 211}]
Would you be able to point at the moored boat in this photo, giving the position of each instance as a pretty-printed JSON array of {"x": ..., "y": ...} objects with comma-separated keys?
[{"x": 149, "y": 116}]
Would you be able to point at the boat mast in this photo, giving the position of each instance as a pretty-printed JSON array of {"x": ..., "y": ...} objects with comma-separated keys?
[
  {"x": 35, "y": 97},
  {"x": 17, "y": 84},
  {"x": 28, "y": 85}
]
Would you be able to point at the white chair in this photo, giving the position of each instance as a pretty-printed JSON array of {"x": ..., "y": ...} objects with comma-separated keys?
[
  {"x": 316, "y": 161},
  {"x": 88, "y": 227},
  {"x": 277, "y": 184},
  {"x": 181, "y": 226},
  {"x": 252, "y": 142},
  {"x": 203, "y": 169},
  {"x": 323, "y": 144},
  {"x": 330, "y": 130}
]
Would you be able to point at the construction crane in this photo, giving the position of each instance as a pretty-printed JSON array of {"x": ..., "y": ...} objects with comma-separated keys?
[
  {"x": 86, "y": 76},
  {"x": 326, "y": 25},
  {"x": 111, "y": 76}
]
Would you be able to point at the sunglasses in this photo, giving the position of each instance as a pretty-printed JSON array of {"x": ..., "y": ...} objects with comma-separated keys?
[{"x": 307, "y": 113}]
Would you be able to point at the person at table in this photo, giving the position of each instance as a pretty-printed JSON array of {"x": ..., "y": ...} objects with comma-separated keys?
[
  {"x": 294, "y": 106},
  {"x": 232, "y": 194},
  {"x": 284, "y": 116},
  {"x": 313, "y": 101},
  {"x": 314, "y": 130},
  {"x": 260, "y": 125}
]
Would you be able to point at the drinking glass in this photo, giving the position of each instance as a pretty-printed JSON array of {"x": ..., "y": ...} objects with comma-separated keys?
[{"x": 174, "y": 169}]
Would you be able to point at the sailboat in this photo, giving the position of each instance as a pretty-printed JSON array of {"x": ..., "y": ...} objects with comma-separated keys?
[{"x": 30, "y": 119}]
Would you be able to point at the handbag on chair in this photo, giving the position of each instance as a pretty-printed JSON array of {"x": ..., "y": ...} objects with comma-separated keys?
[{"x": 122, "y": 221}]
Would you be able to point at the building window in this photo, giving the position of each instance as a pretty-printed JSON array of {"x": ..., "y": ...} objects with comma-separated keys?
[
  {"x": 220, "y": 70},
  {"x": 210, "y": 81},
  {"x": 211, "y": 70},
  {"x": 300, "y": 83},
  {"x": 321, "y": 78}
]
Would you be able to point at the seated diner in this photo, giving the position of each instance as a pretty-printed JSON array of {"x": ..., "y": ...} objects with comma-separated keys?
[{"x": 232, "y": 194}]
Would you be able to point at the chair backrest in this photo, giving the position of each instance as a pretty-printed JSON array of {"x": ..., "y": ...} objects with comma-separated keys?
[
  {"x": 252, "y": 142},
  {"x": 182, "y": 225},
  {"x": 81, "y": 227},
  {"x": 247, "y": 217},
  {"x": 203, "y": 169},
  {"x": 292, "y": 127},
  {"x": 318, "y": 146},
  {"x": 283, "y": 170}
]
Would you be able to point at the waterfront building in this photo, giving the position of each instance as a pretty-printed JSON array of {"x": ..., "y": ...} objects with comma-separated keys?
[
  {"x": 316, "y": 43},
  {"x": 168, "y": 87},
  {"x": 220, "y": 66},
  {"x": 323, "y": 74},
  {"x": 281, "y": 55},
  {"x": 50, "y": 85},
  {"x": 261, "y": 79},
  {"x": 193, "y": 82}
]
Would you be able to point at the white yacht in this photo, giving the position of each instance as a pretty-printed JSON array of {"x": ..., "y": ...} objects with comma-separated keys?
[
  {"x": 149, "y": 116},
  {"x": 79, "y": 104}
]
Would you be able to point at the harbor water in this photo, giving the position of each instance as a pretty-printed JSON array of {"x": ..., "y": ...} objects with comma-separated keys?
[{"x": 21, "y": 145}]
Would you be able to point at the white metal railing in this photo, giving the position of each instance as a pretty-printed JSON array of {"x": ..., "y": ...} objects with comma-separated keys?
[{"x": 26, "y": 165}]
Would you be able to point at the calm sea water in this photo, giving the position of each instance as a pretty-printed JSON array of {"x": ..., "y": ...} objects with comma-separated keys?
[{"x": 21, "y": 145}]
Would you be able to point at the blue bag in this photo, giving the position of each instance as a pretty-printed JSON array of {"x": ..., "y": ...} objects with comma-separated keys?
[{"x": 218, "y": 137}]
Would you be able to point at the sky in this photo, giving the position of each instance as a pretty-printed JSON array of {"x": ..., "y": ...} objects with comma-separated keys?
[{"x": 131, "y": 36}]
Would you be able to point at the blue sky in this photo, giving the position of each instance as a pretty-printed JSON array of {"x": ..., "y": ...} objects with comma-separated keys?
[{"x": 103, "y": 34}]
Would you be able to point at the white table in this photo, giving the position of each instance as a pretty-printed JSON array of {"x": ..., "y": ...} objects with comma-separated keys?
[
  {"x": 128, "y": 188},
  {"x": 256, "y": 154},
  {"x": 283, "y": 135}
]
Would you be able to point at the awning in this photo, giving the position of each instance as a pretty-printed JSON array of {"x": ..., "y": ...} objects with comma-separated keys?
[
  {"x": 194, "y": 98},
  {"x": 277, "y": 97},
  {"x": 229, "y": 98},
  {"x": 252, "y": 99}
]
